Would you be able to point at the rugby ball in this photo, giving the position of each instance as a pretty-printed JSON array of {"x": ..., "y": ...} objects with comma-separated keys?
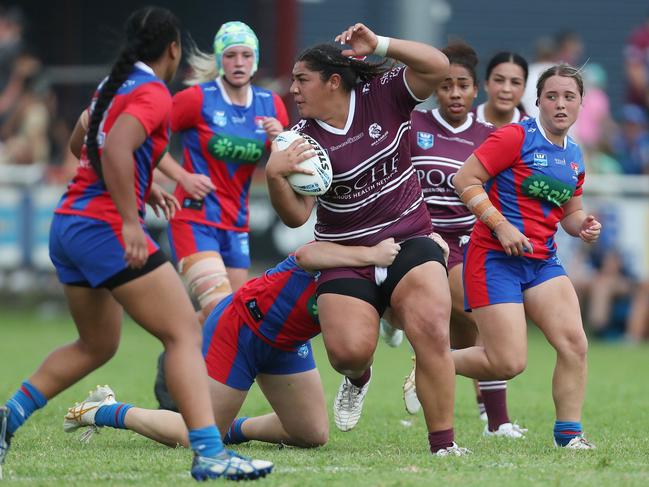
[{"x": 308, "y": 184}]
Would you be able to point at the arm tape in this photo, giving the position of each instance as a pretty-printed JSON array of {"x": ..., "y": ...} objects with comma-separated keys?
[{"x": 476, "y": 200}]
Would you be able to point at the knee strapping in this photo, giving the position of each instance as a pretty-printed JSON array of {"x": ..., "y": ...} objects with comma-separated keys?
[{"x": 205, "y": 276}]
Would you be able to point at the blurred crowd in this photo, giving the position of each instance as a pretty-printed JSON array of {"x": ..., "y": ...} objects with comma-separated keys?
[{"x": 32, "y": 132}]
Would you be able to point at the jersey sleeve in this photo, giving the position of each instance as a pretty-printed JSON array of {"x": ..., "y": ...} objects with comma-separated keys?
[
  {"x": 392, "y": 87},
  {"x": 150, "y": 104},
  {"x": 186, "y": 109},
  {"x": 502, "y": 149},
  {"x": 580, "y": 183},
  {"x": 280, "y": 110}
]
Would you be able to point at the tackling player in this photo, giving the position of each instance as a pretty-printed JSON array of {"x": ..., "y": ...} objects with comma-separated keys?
[{"x": 261, "y": 332}]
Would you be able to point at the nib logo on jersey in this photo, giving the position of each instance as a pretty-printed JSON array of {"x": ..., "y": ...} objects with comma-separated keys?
[
  {"x": 312, "y": 308},
  {"x": 235, "y": 149},
  {"x": 547, "y": 189}
]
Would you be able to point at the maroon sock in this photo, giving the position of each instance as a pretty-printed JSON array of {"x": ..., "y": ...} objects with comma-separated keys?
[
  {"x": 362, "y": 380},
  {"x": 494, "y": 394},
  {"x": 438, "y": 440}
]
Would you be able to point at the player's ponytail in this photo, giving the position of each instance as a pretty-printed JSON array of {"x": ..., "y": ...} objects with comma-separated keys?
[
  {"x": 149, "y": 31},
  {"x": 328, "y": 60}
]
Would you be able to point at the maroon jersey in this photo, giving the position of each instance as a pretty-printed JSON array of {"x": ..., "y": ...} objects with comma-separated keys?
[
  {"x": 375, "y": 193},
  {"x": 438, "y": 151}
]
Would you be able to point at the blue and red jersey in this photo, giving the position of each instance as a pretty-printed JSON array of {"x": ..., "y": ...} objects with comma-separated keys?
[
  {"x": 145, "y": 97},
  {"x": 531, "y": 180},
  {"x": 224, "y": 142},
  {"x": 280, "y": 306}
]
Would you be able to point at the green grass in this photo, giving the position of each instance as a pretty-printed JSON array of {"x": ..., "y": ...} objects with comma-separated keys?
[{"x": 381, "y": 451}]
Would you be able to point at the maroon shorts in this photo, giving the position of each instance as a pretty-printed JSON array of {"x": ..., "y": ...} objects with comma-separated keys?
[{"x": 457, "y": 241}]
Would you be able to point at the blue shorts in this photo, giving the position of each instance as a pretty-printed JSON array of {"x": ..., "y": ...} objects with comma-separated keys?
[
  {"x": 87, "y": 251},
  {"x": 235, "y": 355},
  {"x": 493, "y": 277},
  {"x": 187, "y": 238}
]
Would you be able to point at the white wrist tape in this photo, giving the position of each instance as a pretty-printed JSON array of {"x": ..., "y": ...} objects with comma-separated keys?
[{"x": 382, "y": 46}]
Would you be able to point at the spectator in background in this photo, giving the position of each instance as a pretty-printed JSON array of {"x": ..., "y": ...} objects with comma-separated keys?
[
  {"x": 11, "y": 45},
  {"x": 637, "y": 328},
  {"x": 570, "y": 48},
  {"x": 595, "y": 123},
  {"x": 636, "y": 53},
  {"x": 631, "y": 146},
  {"x": 565, "y": 47},
  {"x": 545, "y": 51},
  {"x": 24, "y": 137}
]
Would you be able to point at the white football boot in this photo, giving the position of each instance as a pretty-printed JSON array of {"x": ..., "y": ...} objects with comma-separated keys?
[
  {"x": 410, "y": 398},
  {"x": 505, "y": 430},
  {"x": 348, "y": 404},
  {"x": 83, "y": 414},
  {"x": 230, "y": 465},
  {"x": 578, "y": 443},
  {"x": 391, "y": 336},
  {"x": 453, "y": 450}
]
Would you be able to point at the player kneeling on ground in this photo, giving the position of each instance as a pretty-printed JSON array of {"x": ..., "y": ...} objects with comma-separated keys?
[{"x": 260, "y": 332}]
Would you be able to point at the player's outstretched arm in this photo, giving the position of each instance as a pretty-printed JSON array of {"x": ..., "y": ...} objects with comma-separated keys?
[
  {"x": 427, "y": 66},
  {"x": 326, "y": 255}
]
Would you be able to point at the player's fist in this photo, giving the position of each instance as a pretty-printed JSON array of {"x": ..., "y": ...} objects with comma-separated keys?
[
  {"x": 362, "y": 40},
  {"x": 590, "y": 229}
]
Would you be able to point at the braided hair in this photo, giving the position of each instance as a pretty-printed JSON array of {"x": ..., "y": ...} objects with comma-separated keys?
[
  {"x": 149, "y": 31},
  {"x": 328, "y": 60}
]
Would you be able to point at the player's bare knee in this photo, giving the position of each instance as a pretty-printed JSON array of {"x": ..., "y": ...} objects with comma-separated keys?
[
  {"x": 428, "y": 333},
  {"x": 316, "y": 436},
  {"x": 509, "y": 367},
  {"x": 348, "y": 359},
  {"x": 574, "y": 344},
  {"x": 99, "y": 351}
]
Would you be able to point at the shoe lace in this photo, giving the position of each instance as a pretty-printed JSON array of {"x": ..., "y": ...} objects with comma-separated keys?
[
  {"x": 516, "y": 427},
  {"x": 583, "y": 441},
  {"x": 87, "y": 435},
  {"x": 349, "y": 395}
]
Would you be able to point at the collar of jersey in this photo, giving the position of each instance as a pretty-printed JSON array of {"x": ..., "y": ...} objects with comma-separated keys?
[
  {"x": 348, "y": 123},
  {"x": 542, "y": 130},
  {"x": 144, "y": 67},
  {"x": 450, "y": 128},
  {"x": 479, "y": 114},
  {"x": 226, "y": 98}
]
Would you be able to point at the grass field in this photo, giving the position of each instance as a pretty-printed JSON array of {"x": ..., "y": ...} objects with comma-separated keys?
[{"x": 381, "y": 451}]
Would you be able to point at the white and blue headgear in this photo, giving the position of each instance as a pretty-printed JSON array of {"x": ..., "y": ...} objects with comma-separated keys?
[{"x": 233, "y": 34}]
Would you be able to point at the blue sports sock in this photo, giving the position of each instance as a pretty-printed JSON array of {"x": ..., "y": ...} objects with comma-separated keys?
[
  {"x": 206, "y": 442},
  {"x": 564, "y": 431},
  {"x": 22, "y": 404},
  {"x": 112, "y": 415},
  {"x": 235, "y": 435}
]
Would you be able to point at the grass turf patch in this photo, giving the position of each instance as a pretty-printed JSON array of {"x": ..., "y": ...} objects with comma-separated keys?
[{"x": 387, "y": 448}]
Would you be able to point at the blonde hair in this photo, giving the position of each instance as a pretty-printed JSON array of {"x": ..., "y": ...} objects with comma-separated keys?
[{"x": 202, "y": 64}]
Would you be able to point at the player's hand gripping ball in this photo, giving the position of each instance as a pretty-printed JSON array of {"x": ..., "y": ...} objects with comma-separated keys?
[{"x": 308, "y": 184}]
